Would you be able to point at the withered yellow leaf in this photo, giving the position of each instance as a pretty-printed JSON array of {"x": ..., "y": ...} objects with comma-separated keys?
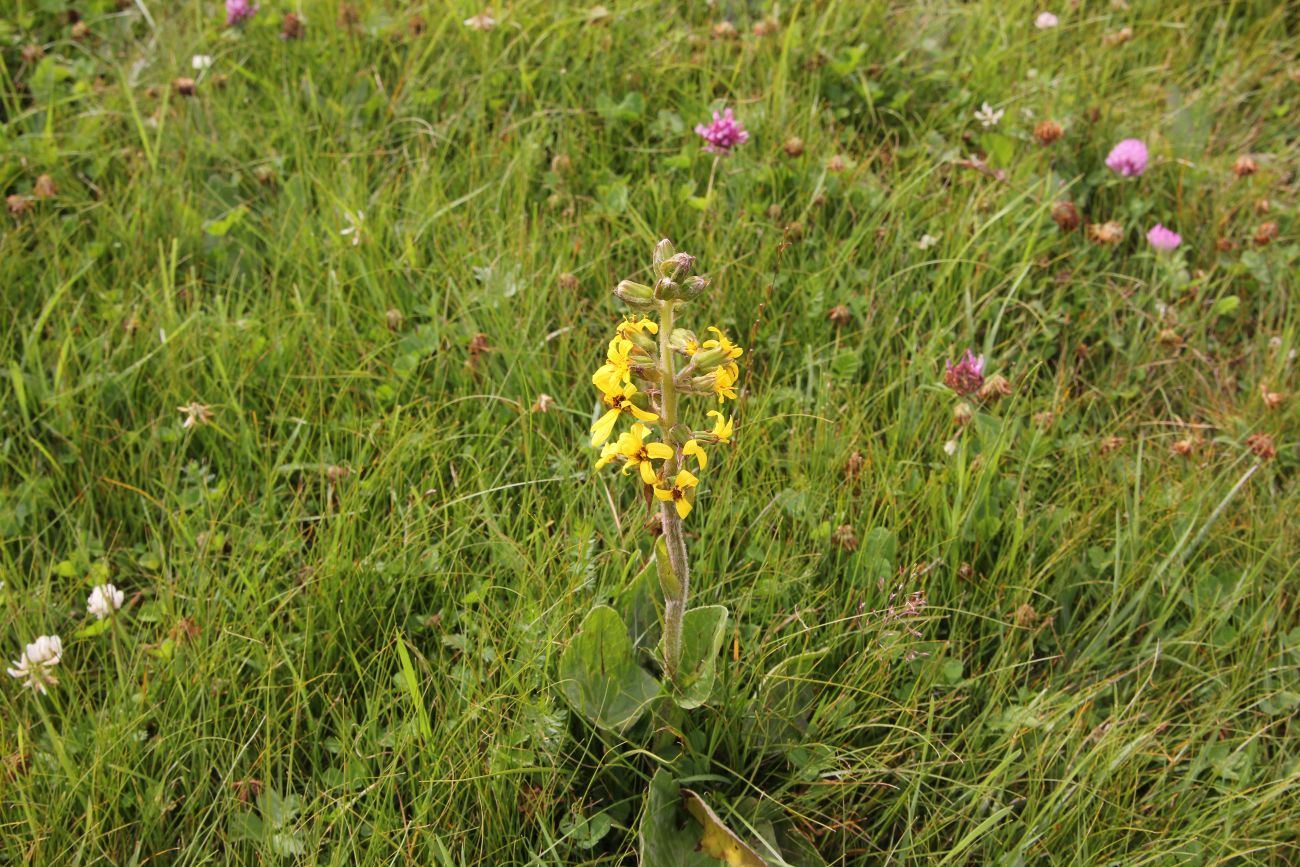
[{"x": 718, "y": 840}]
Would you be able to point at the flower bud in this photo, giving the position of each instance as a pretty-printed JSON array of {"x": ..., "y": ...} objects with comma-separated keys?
[
  {"x": 664, "y": 251},
  {"x": 708, "y": 359},
  {"x": 636, "y": 295},
  {"x": 665, "y": 289},
  {"x": 683, "y": 340},
  {"x": 694, "y": 287},
  {"x": 677, "y": 266}
]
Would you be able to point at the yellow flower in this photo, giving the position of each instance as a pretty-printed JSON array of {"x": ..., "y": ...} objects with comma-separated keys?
[
  {"x": 629, "y": 327},
  {"x": 724, "y": 384},
  {"x": 728, "y": 348},
  {"x": 608, "y": 452},
  {"x": 639, "y": 453},
  {"x": 694, "y": 448},
  {"x": 619, "y": 402},
  {"x": 723, "y": 428},
  {"x": 678, "y": 492},
  {"x": 617, "y": 368}
]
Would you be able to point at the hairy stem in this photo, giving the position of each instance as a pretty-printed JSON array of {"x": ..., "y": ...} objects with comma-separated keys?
[{"x": 674, "y": 605}]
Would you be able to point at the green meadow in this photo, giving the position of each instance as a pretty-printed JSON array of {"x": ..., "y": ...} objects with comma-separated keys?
[{"x": 299, "y": 324}]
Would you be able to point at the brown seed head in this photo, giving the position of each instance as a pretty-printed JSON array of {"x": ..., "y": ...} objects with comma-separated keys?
[
  {"x": 1108, "y": 233},
  {"x": 1262, "y": 445},
  {"x": 1244, "y": 167},
  {"x": 183, "y": 86},
  {"x": 291, "y": 26},
  {"x": 45, "y": 188},
  {"x": 853, "y": 466},
  {"x": 845, "y": 538},
  {"x": 793, "y": 146},
  {"x": 1119, "y": 37},
  {"x": 995, "y": 387},
  {"x": 568, "y": 281},
  {"x": 1265, "y": 233},
  {"x": 1272, "y": 399},
  {"x": 840, "y": 315},
  {"x": 1048, "y": 132},
  {"x": 1066, "y": 216}
]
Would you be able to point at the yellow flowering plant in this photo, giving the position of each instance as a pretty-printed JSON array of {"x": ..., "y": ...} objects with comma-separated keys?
[{"x": 652, "y": 367}]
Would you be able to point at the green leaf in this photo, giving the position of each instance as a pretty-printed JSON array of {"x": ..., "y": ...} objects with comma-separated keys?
[
  {"x": 638, "y": 606},
  {"x": 668, "y": 581},
  {"x": 95, "y": 627},
  {"x": 587, "y": 831},
  {"x": 1225, "y": 305},
  {"x": 220, "y": 227},
  {"x": 667, "y": 836},
  {"x": 413, "y": 690},
  {"x": 702, "y": 632},
  {"x": 779, "y": 717},
  {"x": 878, "y": 553},
  {"x": 599, "y": 674}
]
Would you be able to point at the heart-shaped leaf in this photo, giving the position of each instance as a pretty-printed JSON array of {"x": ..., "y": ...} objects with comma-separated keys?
[
  {"x": 599, "y": 674},
  {"x": 703, "y": 630}
]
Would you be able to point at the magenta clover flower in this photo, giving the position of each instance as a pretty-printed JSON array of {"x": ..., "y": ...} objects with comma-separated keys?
[
  {"x": 967, "y": 375},
  {"x": 1128, "y": 158},
  {"x": 1163, "y": 239},
  {"x": 239, "y": 10},
  {"x": 723, "y": 134}
]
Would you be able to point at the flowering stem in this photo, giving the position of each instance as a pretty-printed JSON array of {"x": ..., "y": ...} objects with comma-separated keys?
[
  {"x": 56, "y": 740},
  {"x": 674, "y": 604},
  {"x": 708, "y": 195}
]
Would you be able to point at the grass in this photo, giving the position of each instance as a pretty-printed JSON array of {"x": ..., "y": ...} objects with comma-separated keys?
[{"x": 347, "y": 594}]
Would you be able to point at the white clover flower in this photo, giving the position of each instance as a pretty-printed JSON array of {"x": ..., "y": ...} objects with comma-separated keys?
[
  {"x": 35, "y": 667},
  {"x": 927, "y": 241},
  {"x": 104, "y": 599},
  {"x": 201, "y": 62},
  {"x": 988, "y": 117},
  {"x": 950, "y": 447},
  {"x": 354, "y": 226},
  {"x": 481, "y": 22},
  {"x": 1046, "y": 21}
]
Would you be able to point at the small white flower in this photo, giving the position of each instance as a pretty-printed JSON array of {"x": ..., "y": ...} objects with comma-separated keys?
[
  {"x": 481, "y": 22},
  {"x": 34, "y": 667},
  {"x": 104, "y": 599},
  {"x": 950, "y": 447},
  {"x": 354, "y": 226},
  {"x": 1046, "y": 21},
  {"x": 201, "y": 62},
  {"x": 988, "y": 117},
  {"x": 927, "y": 241}
]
